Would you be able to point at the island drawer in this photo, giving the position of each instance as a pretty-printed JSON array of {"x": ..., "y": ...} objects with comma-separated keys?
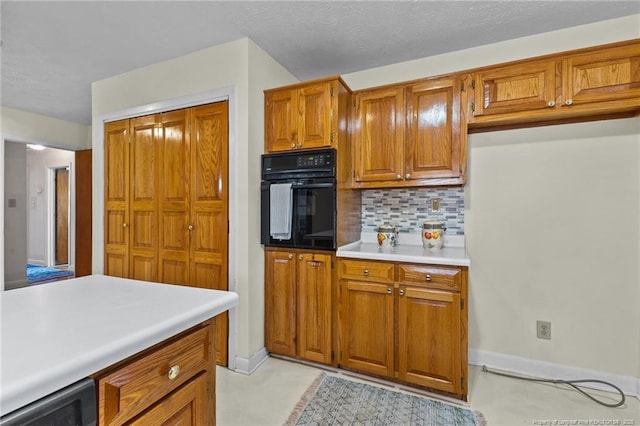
[
  {"x": 363, "y": 270},
  {"x": 448, "y": 278},
  {"x": 133, "y": 386}
]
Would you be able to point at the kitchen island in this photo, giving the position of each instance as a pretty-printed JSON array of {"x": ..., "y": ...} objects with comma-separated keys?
[{"x": 57, "y": 333}]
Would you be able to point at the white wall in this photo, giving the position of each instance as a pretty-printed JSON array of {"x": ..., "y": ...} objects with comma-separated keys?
[
  {"x": 15, "y": 223},
  {"x": 39, "y": 189},
  {"x": 552, "y": 222},
  {"x": 224, "y": 69}
]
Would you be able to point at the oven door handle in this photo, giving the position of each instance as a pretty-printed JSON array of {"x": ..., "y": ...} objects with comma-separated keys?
[{"x": 312, "y": 185}]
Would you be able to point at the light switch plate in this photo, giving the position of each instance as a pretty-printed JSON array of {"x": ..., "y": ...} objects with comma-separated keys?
[{"x": 435, "y": 205}]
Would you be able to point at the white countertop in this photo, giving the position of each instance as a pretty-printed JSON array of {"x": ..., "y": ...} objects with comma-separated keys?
[
  {"x": 408, "y": 249},
  {"x": 58, "y": 333}
]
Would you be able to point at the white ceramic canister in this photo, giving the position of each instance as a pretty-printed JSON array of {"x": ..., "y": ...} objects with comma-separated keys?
[
  {"x": 387, "y": 236},
  {"x": 432, "y": 234}
]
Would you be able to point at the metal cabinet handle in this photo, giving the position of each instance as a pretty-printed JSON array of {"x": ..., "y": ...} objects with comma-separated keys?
[
  {"x": 551, "y": 104},
  {"x": 290, "y": 255},
  {"x": 293, "y": 145},
  {"x": 300, "y": 257},
  {"x": 190, "y": 227},
  {"x": 124, "y": 225},
  {"x": 366, "y": 272},
  {"x": 408, "y": 176},
  {"x": 299, "y": 145},
  {"x": 402, "y": 292},
  {"x": 173, "y": 372},
  {"x": 398, "y": 176},
  {"x": 427, "y": 278},
  {"x": 389, "y": 290},
  {"x": 568, "y": 102}
]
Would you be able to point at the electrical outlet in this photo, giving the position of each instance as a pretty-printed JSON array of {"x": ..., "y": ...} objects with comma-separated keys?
[
  {"x": 544, "y": 329},
  {"x": 435, "y": 205}
]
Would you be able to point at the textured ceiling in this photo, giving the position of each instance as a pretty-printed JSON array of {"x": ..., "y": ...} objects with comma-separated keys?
[{"x": 52, "y": 50}]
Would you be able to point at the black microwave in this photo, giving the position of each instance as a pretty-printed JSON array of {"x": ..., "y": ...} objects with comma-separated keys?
[
  {"x": 298, "y": 200},
  {"x": 73, "y": 405}
]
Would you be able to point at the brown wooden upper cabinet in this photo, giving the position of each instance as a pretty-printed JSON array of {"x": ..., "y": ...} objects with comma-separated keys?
[
  {"x": 302, "y": 116},
  {"x": 575, "y": 85},
  {"x": 409, "y": 135}
]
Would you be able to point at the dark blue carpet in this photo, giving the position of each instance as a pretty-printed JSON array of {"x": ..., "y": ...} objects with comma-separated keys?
[{"x": 42, "y": 273}]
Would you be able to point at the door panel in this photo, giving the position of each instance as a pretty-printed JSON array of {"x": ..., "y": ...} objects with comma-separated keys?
[
  {"x": 144, "y": 199},
  {"x": 62, "y": 216},
  {"x": 379, "y": 135},
  {"x": 367, "y": 327},
  {"x": 117, "y": 187},
  {"x": 83, "y": 251},
  {"x": 314, "y": 125},
  {"x": 314, "y": 304},
  {"x": 173, "y": 219},
  {"x": 434, "y": 317},
  {"x": 281, "y": 120},
  {"x": 209, "y": 208},
  {"x": 280, "y": 302},
  {"x": 433, "y": 134}
]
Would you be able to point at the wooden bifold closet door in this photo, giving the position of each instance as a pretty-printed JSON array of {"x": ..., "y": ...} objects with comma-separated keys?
[{"x": 166, "y": 200}]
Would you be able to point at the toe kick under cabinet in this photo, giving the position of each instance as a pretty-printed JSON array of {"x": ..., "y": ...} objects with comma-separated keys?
[{"x": 405, "y": 322}]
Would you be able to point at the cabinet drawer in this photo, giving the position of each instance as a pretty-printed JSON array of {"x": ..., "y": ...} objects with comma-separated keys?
[
  {"x": 134, "y": 386},
  {"x": 363, "y": 270},
  {"x": 431, "y": 276}
]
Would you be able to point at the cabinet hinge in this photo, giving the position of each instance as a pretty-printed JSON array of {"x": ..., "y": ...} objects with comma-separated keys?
[
  {"x": 473, "y": 107},
  {"x": 462, "y": 86},
  {"x": 462, "y": 383},
  {"x": 473, "y": 84},
  {"x": 332, "y": 356},
  {"x": 332, "y": 136},
  {"x": 331, "y": 91},
  {"x": 461, "y": 303},
  {"x": 332, "y": 264}
]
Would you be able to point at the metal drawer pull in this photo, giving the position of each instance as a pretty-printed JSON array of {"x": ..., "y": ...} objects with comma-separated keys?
[
  {"x": 402, "y": 292},
  {"x": 300, "y": 257},
  {"x": 366, "y": 272},
  {"x": 428, "y": 277},
  {"x": 389, "y": 290},
  {"x": 290, "y": 256},
  {"x": 173, "y": 372}
]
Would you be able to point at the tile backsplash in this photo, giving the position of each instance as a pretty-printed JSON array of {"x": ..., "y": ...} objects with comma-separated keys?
[{"x": 407, "y": 208}]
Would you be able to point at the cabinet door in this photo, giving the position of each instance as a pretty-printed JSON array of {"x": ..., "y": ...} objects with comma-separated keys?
[
  {"x": 515, "y": 88},
  {"x": 366, "y": 321},
  {"x": 173, "y": 252},
  {"x": 608, "y": 75},
  {"x": 429, "y": 338},
  {"x": 379, "y": 135},
  {"x": 314, "y": 125},
  {"x": 116, "y": 198},
  {"x": 143, "y": 239},
  {"x": 280, "y": 302},
  {"x": 186, "y": 406},
  {"x": 433, "y": 146},
  {"x": 314, "y": 307},
  {"x": 209, "y": 219},
  {"x": 281, "y": 120}
]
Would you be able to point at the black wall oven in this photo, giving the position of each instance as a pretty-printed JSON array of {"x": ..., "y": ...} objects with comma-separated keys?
[{"x": 298, "y": 202}]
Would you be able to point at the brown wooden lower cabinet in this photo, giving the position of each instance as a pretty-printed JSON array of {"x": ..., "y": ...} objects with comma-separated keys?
[
  {"x": 170, "y": 383},
  {"x": 405, "y": 322},
  {"x": 299, "y": 304}
]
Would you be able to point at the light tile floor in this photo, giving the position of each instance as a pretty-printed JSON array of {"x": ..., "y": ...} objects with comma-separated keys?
[{"x": 267, "y": 397}]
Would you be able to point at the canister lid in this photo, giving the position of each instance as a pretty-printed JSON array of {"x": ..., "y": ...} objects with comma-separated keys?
[
  {"x": 433, "y": 224},
  {"x": 386, "y": 228}
]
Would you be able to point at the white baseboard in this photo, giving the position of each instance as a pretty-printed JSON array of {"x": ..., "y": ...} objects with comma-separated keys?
[
  {"x": 249, "y": 365},
  {"x": 546, "y": 370},
  {"x": 10, "y": 285},
  {"x": 37, "y": 262}
]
